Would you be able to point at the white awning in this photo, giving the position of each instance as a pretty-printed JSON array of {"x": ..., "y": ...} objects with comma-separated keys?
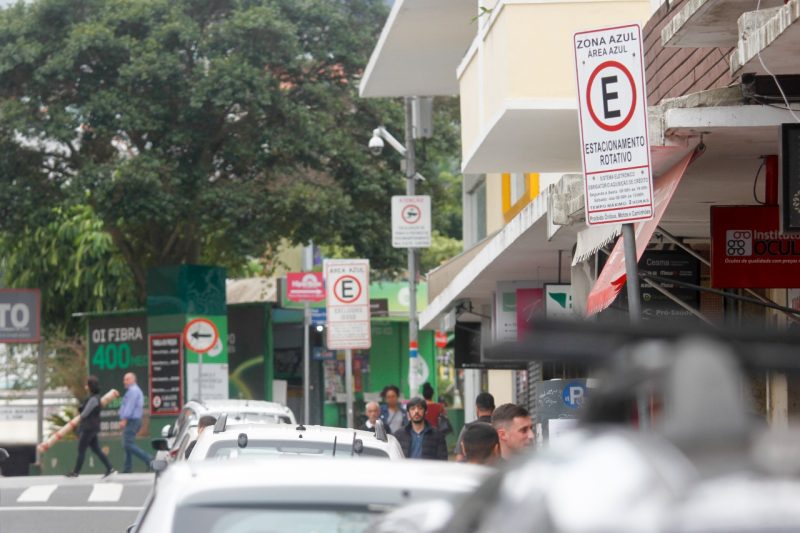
[
  {"x": 520, "y": 251},
  {"x": 420, "y": 48}
]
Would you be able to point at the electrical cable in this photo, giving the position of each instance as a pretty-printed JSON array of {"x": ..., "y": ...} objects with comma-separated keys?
[
  {"x": 755, "y": 182},
  {"x": 775, "y": 78}
]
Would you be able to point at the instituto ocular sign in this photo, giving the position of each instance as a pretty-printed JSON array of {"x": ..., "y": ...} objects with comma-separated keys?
[
  {"x": 749, "y": 251},
  {"x": 612, "y": 109},
  {"x": 19, "y": 315}
]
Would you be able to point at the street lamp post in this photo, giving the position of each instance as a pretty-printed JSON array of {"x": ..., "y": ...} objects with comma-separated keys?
[
  {"x": 407, "y": 151},
  {"x": 413, "y": 325}
]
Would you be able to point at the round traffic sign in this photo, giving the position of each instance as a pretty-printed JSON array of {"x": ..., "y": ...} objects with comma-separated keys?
[
  {"x": 411, "y": 214},
  {"x": 200, "y": 335},
  {"x": 347, "y": 289},
  {"x": 611, "y": 95}
]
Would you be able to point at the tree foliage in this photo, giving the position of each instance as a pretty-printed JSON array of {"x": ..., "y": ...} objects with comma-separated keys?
[{"x": 196, "y": 130}]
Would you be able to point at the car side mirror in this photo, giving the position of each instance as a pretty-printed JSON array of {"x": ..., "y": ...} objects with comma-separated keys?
[
  {"x": 159, "y": 445},
  {"x": 165, "y": 431},
  {"x": 158, "y": 465},
  {"x": 3, "y": 454}
]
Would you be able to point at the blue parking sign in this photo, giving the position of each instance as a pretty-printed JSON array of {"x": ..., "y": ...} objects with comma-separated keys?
[{"x": 573, "y": 394}]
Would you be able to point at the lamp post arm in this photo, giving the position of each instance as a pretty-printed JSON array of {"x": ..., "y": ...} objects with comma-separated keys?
[{"x": 388, "y": 137}]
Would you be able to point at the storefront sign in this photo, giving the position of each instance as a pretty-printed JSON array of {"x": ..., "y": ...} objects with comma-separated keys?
[
  {"x": 558, "y": 302},
  {"x": 305, "y": 287},
  {"x": 790, "y": 191},
  {"x": 748, "y": 250},
  {"x": 505, "y": 309},
  {"x": 530, "y": 305},
  {"x": 669, "y": 264},
  {"x": 19, "y": 315},
  {"x": 166, "y": 374},
  {"x": 118, "y": 345}
]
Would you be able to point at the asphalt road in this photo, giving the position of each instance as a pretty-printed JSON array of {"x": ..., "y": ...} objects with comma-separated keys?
[{"x": 87, "y": 504}]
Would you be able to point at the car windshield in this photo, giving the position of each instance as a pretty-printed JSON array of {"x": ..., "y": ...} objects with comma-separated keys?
[
  {"x": 264, "y": 448},
  {"x": 224, "y": 519}
]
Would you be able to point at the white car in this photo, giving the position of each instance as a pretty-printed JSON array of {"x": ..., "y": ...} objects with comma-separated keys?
[
  {"x": 296, "y": 495},
  {"x": 184, "y": 430},
  {"x": 229, "y": 441}
]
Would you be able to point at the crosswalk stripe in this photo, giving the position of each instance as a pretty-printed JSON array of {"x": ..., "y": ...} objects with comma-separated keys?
[
  {"x": 37, "y": 493},
  {"x": 106, "y": 492}
]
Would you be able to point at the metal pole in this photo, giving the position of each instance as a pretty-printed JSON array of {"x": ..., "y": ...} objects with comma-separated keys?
[
  {"x": 41, "y": 379},
  {"x": 632, "y": 272},
  {"x": 635, "y": 311},
  {"x": 200, "y": 376},
  {"x": 348, "y": 385},
  {"x": 413, "y": 328},
  {"x": 308, "y": 252}
]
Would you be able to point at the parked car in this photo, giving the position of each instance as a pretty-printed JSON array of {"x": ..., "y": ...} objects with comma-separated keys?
[
  {"x": 177, "y": 436},
  {"x": 294, "y": 495},
  {"x": 234, "y": 440}
]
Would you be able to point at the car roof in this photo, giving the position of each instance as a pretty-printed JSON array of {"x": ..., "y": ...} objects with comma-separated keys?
[
  {"x": 308, "y": 433},
  {"x": 240, "y": 405},
  {"x": 208, "y": 481}
]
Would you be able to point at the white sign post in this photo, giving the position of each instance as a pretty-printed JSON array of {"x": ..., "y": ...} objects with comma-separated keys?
[
  {"x": 411, "y": 221},
  {"x": 347, "y": 307},
  {"x": 612, "y": 108}
]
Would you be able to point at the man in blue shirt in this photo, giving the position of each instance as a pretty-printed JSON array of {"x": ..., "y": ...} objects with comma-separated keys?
[{"x": 130, "y": 421}]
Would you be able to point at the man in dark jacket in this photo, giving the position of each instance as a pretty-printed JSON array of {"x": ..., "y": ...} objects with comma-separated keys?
[
  {"x": 417, "y": 438},
  {"x": 89, "y": 427}
]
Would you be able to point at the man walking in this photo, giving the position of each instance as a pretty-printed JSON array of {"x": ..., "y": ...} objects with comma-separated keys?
[
  {"x": 484, "y": 407},
  {"x": 514, "y": 428},
  {"x": 130, "y": 421},
  {"x": 417, "y": 438}
]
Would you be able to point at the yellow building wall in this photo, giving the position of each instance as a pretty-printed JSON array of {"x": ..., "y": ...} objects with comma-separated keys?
[{"x": 525, "y": 53}]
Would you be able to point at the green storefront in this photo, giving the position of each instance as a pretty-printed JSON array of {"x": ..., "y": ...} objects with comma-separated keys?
[{"x": 260, "y": 347}]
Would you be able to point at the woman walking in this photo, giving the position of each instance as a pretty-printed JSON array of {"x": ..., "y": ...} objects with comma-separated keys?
[{"x": 89, "y": 427}]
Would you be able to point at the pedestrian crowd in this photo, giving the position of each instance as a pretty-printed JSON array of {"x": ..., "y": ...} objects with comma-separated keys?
[{"x": 420, "y": 427}]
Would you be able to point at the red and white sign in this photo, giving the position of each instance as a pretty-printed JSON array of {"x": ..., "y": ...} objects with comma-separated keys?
[
  {"x": 749, "y": 252},
  {"x": 348, "y": 312},
  {"x": 612, "y": 109},
  {"x": 440, "y": 339},
  {"x": 411, "y": 221},
  {"x": 200, "y": 335},
  {"x": 305, "y": 287}
]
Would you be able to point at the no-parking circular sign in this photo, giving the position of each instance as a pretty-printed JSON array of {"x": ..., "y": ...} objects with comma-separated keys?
[
  {"x": 411, "y": 221},
  {"x": 347, "y": 304},
  {"x": 612, "y": 109}
]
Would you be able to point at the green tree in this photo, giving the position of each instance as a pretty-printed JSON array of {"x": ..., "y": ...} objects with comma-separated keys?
[
  {"x": 74, "y": 263},
  {"x": 195, "y": 130}
]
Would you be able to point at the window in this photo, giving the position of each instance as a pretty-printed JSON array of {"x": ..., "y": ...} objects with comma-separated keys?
[
  {"x": 474, "y": 213},
  {"x": 518, "y": 191}
]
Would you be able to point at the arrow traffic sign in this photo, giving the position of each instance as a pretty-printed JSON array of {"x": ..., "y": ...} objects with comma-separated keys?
[{"x": 200, "y": 335}]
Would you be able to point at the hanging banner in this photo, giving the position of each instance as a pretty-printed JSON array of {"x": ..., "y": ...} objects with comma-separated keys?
[{"x": 749, "y": 252}]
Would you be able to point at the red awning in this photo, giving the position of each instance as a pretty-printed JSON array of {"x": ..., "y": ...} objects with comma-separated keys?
[{"x": 612, "y": 278}]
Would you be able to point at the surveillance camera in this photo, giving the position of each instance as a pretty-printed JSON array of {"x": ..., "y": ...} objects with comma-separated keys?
[{"x": 376, "y": 145}]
